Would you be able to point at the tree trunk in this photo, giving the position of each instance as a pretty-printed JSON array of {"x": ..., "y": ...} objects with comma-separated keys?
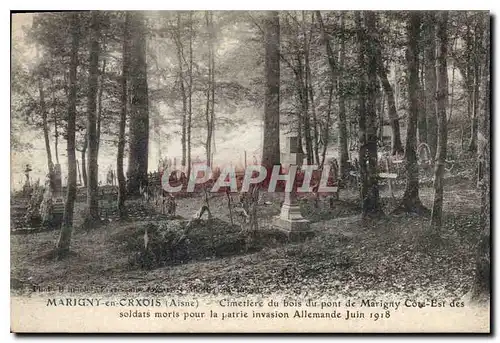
[
  {"x": 472, "y": 147},
  {"x": 208, "y": 142},
  {"x": 396, "y": 145},
  {"x": 362, "y": 154},
  {"x": 99, "y": 104},
  {"x": 56, "y": 126},
  {"x": 64, "y": 241},
  {"x": 468, "y": 75},
  {"x": 482, "y": 281},
  {"x": 452, "y": 93},
  {"x": 342, "y": 119},
  {"x": 326, "y": 130},
  {"x": 304, "y": 102},
  {"x": 79, "y": 174},
  {"x": 299, "y": 126},
  {"x": 271, "y": 143},
  {"x": 442, "y": 100},
  {"x": 139, "y": 111},
  {"x": 470, "y": 101},
  {"x": 180, "y": 53},
  {"x": 56, "y": 139},
  {"x": 397, "y": 86},
  {"x": 310, "y": 90},
  {"x": 380, "y": 115},
  {"x": 84, "y": 160},
  {"x": 190, "y": 93},
  {"x": 422, "y": 115},
  {"x": 43, "y": 110},
  {"x": 305, "y": 86},
  {"x": 92, "y": 177},
  {"x": 184, "y": 118},
  {"x": 316, "y": 137},
  {"x": 338, "y": 77},
  {"x": 411, "y": 200},
  {"x": 122, "y": 191},
  {"x": 368, "y": 126},
  {"x": 212, "y": 111},
  {"x": 475, "y": 89},
  {"x": 430, "y": 81},
  {"x": 210, "y": 104}
]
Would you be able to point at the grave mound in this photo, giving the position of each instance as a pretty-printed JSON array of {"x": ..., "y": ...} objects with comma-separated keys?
[{"x": 155, "y": 244}]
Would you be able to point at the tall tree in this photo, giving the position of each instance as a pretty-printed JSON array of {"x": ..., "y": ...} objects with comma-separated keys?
[
  {"x": 139, "y": 110},
  {"x": 64, "y": 241},
  {"x": 309, "y": 88},
  {"x": 465, "y": 66},
  {"x": 482, "y": 281},
  {"x": 180, "y": 59},
  {"x": 56, "y": 126},
  {"x": 100, "y": 92},
  {"x": 442, "y": 102},
  {"x": 122, "y": 191},
  {"x": 411, "y": 200},
  {"x": 302, "y": 88},
  {"x": 422, "y": 115},
  {"x": 213, "y": 86},
  {"x": 190, "y": 93},
  {"x": 338, "y": 76},
  {"x": 396, "y": 145},
  {"x": 210, "y": 91},
  {"x": 45, "y": 127},
  {"x": 93, "y": 140},
  {"x": 271, "y": 144},
  {"x": 326, "y": 128},
  {"x": 342, "y": 119},
  {"x": 430, "y": 80},
  {"x": 363, "y": 171},
  {"x": 476, "y": 69},
  {"x": 83, "y": 152},
  {"x": 368, "y": 114}
]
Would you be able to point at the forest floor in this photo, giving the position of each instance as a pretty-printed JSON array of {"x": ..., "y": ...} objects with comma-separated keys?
[{"x": 396, "y": 254}]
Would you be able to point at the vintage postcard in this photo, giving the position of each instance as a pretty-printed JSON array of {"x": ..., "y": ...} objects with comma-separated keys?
[{"x": 250, "y": 171}]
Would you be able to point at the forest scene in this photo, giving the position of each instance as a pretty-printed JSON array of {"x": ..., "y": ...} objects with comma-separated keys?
[{"x": 391, "y": 107}]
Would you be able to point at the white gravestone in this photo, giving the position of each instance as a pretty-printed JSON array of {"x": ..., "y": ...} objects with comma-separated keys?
[{"x": 290, "y": 218}]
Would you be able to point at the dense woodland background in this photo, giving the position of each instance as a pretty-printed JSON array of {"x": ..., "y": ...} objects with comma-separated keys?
[{"x": 138, "y": 87}]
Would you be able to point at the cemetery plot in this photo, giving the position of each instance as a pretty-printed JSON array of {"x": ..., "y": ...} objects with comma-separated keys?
[
  {"x": 382, "y": 120},
  {"x": 343, "y": 257}
]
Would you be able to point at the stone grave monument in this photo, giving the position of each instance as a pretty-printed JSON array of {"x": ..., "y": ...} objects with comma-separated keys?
[
  {"x": 27, "y": 188},
  {"x": 290, "y": 219},
  {"x": 52, "y": 206}
]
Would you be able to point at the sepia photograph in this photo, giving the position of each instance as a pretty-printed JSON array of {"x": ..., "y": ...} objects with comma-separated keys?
[{"x": 222, "y": 171}]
